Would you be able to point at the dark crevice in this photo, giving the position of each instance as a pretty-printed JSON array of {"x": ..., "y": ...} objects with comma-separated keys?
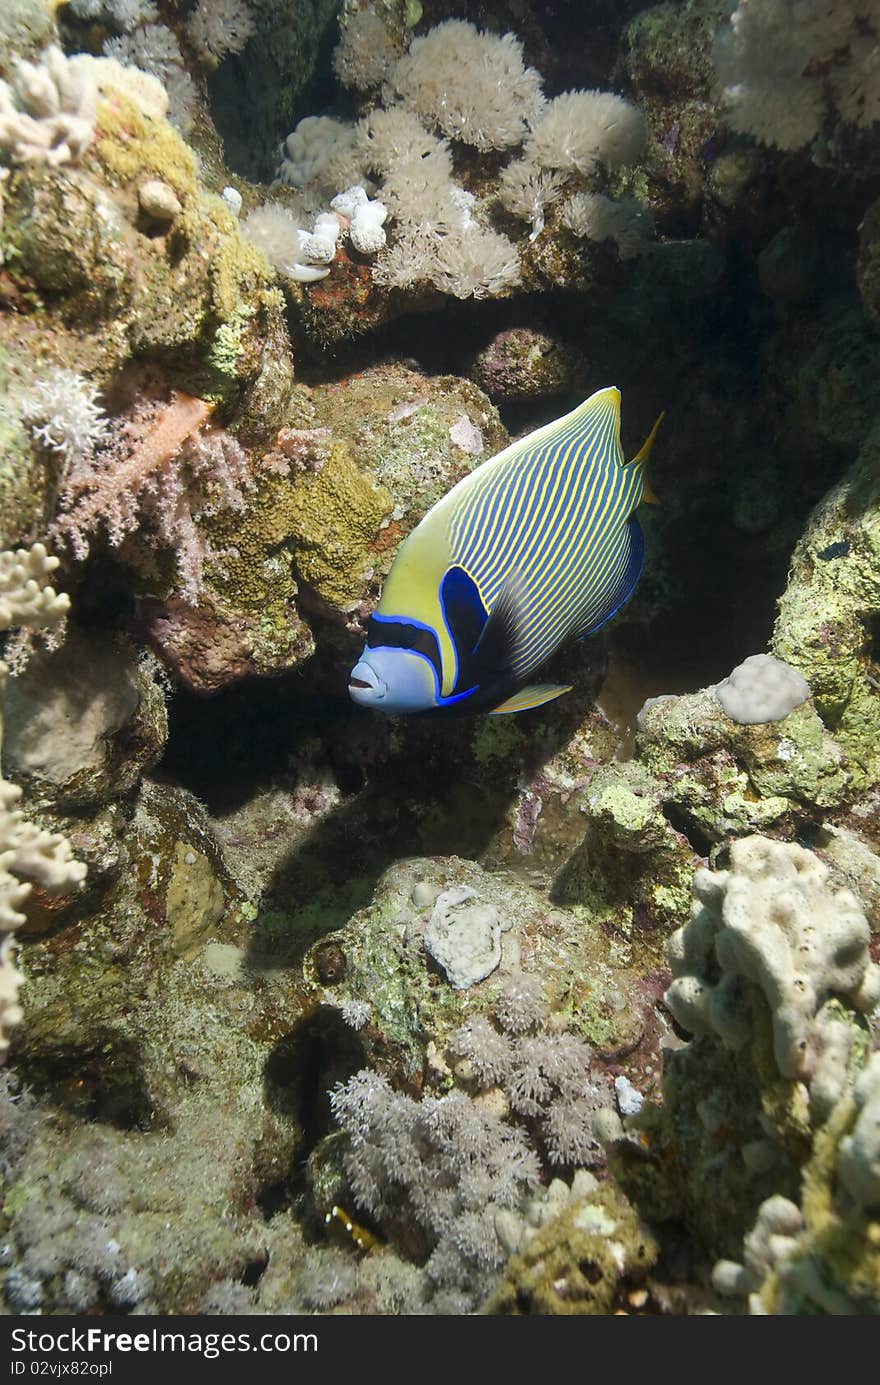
[
  {"x": 299, "y": 1074},
  {"x": 103, "y": 1083},
  {"x": 698, "y": 840}
]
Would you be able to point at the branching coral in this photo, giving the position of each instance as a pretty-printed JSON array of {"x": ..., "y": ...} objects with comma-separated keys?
[
  {"x": 443, "y": 1162},
  {"x": 27, "y": 853},
  {"x": 296, "y": 253},
  {"x": 153, "y": 48},
  {"x": 48, "y": 114},
  {"x": 64, "y": 415},
  {"x": 821, "y": 1257},
  {"x": 457, "y": 83},
  {"x": 118, "y": 14},
  {"x": 524, "y": 1100},
  {"x": 581, "y": 129},
  {"x": 773, "y": 922},
  {"x": 160, "y": 474},
  {"x": 595, "y": 217},
  {"x": 545, "y": 1076},
  {"x": 858, "y": 1160},
  {"x": 315, "y": 143},
  {"x": 527, "y": 190}
]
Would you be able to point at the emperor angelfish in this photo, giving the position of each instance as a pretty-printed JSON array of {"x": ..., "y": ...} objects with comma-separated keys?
[{"x": 538, "y": 545}]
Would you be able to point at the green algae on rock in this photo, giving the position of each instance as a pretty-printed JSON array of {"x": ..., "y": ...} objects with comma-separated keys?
[
  {"x": 412, "y": 1008},
  {"x": 824, "y": 627}
]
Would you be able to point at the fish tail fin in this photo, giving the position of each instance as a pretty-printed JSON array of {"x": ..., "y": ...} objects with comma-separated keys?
[{"x": 641, "y": 459}]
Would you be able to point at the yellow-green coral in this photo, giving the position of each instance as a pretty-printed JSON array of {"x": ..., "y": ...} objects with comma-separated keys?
[
  {"x": 335, "y": 514},
  {"x": 130, "y": 144},
  {"x": 588, "y": 1259}
]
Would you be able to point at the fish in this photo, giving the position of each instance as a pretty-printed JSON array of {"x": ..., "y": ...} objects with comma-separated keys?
[{"x": 537, "y": 546}]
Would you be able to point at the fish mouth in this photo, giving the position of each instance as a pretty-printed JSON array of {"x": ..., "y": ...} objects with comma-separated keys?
[{"x": 364, "y": 685}]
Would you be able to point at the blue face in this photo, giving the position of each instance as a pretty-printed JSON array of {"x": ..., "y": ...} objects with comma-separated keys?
[{"x": 393, "y": 680}]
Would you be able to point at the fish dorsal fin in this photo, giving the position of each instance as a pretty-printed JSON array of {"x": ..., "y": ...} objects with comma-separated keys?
[
  {"x": 641, "y": 459},
  {"x": 625, "y": 584},
  {"x": 527, "y": 698}
]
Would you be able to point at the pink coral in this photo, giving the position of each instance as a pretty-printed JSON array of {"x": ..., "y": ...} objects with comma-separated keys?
[{"x": 161, "y": 473}]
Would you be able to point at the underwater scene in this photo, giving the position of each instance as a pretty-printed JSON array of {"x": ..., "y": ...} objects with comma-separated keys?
[{"x": 440, "y": 595}]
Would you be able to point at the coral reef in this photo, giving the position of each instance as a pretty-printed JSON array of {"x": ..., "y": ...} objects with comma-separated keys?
[
  {"x": 573, "y": 1011},
  {"x": 772, "y": 922},
  {"x": 825, "y": 614},
  {"x": 773, "y": 971}
]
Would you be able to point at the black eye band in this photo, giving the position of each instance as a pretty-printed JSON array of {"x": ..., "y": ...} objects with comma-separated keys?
[{"x": 399, "y": 634}]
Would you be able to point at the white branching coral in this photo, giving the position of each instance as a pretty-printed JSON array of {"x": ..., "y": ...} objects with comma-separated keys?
[
  {"x": 858, "y": 1160},
  {"x": 26, "y": 598},
  {"x": 110, "y": 76},
  {"x": 473, "y": 86},
  {"x": 218, "y": 27},
  {"x": 356, "y": 1013},
  {"x": 365, "y": 53},
  {"x": 47, "y": 115},
  {"x": 457, "y": 83},
  {"x": 437, "y": 239},
  {"x": 773, "y": 1237},
  {"x": 64, "y": 415},
  {"x": 581, "y": 129},
  {"x": 27, "y": 853},
  {"x": 787, "y": 65},
  {"x": 475, "y": 263},
  {"x": 395, "y": 138},
  {"x": 790, "y": 1263}
]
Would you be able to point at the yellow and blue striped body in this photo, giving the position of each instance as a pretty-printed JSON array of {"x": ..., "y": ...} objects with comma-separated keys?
[{"x": 537, "y": 546}]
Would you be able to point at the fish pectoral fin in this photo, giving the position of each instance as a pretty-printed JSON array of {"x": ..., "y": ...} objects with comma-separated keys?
[
  {"x": 465, "y": 617},
  {"x": 625, "y": 585},
  {"x": 495, "y": 649},
  {"x": 534, "y": 696}
]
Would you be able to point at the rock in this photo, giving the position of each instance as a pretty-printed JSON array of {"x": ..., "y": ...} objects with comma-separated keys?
[
  {"x": 83, "y": 722},
  {"x": 159, "y": 201},
  {"x": 523, "y": 363}
]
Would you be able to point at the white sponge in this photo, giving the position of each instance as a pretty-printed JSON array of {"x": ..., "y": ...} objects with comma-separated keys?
[{"x": 761, "y": 689}]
